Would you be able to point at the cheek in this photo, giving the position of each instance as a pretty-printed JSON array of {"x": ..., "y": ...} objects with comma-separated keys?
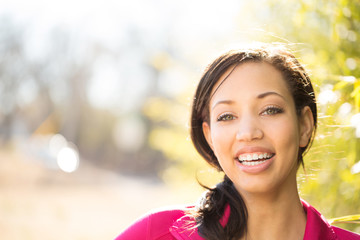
[
  {"x": 285, "y": 135},
  {"x": 222, "y": 141}
]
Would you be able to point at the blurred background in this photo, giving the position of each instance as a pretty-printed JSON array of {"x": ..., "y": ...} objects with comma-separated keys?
[{"x": 95, "y": 101}]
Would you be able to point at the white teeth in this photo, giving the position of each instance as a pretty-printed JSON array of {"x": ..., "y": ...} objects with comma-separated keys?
[
  {"x": 252, "y": 163},
  {"x": 254, "y": 156}
]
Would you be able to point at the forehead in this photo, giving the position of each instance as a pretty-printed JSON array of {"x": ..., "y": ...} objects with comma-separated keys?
[{"x": 250, "y": 78}]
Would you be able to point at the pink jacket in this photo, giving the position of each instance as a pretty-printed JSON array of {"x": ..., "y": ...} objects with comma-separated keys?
[{"x": 175, "y": 225}]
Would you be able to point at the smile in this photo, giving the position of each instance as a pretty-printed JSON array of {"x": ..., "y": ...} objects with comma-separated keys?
[{"x": 252, "y": 159}]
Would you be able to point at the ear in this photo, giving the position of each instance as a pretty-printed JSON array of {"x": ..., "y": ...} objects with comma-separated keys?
[
  {"x": 207, "y": 134},
  {"x": 306, "y": 126}
]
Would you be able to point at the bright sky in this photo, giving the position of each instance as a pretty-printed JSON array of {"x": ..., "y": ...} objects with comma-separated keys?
[
  {"x": 193, "y": 26},
  {"x": 106, "y": 18}
]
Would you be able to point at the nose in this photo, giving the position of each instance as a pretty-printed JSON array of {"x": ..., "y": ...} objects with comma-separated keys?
[{"x": 249, "y": 130}]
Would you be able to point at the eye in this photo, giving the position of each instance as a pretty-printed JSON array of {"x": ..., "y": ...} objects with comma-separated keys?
[
  {"x": 225, "y": 117},
  {"x": 272, "y": 110}
]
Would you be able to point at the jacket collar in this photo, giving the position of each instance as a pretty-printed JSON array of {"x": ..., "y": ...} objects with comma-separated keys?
[{"x": 316, "y": 226}]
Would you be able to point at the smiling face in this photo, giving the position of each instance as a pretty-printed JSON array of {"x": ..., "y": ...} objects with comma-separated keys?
[{"x": 254, "y": 130}]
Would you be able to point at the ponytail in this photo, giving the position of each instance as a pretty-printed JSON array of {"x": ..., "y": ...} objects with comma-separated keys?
[{"x": 212, "y": 208}]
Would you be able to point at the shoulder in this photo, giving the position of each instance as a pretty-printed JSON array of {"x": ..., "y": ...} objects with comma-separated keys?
[
  {"x": 345, "y": 234},
  {"x": 165, "y": 217},
  {"x": 155, "y": 224},
  {"x": 317, "y": 227}
]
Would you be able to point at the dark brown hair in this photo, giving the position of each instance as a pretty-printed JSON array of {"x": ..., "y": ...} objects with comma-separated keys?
[{"x": 212, "y": 206}]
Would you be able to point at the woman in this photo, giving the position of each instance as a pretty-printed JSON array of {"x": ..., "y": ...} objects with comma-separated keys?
[{"x": 253, "y": 117}]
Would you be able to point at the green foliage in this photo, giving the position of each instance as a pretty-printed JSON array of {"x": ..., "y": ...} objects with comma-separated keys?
[{"x": 332, "y": 30}]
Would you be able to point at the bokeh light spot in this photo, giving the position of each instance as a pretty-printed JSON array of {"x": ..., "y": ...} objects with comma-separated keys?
[{"x": 68, "y": 159}]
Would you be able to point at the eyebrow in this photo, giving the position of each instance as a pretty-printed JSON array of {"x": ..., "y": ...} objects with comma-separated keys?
[
  {"x": 260, "y": 96},
  {"x": 227, "y": 102},
  {"x": 265, "y": 94}
]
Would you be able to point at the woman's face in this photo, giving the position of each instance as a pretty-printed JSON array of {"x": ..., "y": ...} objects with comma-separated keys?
[{"x": 254, "y": 130}]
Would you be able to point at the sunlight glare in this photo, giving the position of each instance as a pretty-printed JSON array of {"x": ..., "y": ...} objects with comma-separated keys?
[
  {"x": 327, "y": 95},
  {"x": 356, "y": 168},
  {"x": 68, "y": 159},
  {"x": 57, "y": 142},
  {"x": 355, "y": 122}
]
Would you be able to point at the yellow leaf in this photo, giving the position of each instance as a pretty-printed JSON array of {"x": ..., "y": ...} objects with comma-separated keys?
[{"x": 346, "y": 219}]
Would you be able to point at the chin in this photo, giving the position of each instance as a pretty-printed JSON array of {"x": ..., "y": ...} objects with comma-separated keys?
[{"x": 260, "y": 188}]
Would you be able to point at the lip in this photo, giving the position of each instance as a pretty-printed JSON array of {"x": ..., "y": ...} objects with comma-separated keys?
[{"x": 256, "y": 168}]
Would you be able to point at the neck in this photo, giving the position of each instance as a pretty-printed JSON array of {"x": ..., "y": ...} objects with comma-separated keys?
[{"x": 276, "y": 215}]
